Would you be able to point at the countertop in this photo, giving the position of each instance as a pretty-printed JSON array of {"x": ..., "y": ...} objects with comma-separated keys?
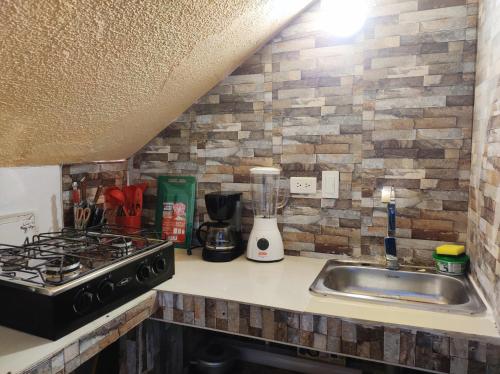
[{"x": 285, "y": 285}]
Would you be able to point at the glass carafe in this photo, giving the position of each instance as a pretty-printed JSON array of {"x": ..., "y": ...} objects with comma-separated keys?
[{"x": 266, "y": 192}]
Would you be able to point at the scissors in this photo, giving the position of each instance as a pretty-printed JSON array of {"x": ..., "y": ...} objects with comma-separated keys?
[{"x": 82, "y": 216}]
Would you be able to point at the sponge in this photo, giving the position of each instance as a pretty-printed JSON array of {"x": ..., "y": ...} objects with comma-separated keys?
[{"x": 450, "y": 249}]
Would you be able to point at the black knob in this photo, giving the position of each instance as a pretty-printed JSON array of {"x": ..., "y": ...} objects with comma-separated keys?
[
  {"x": 160, "y": 265},
  {"x": 263, "y": 244},
  {"x": 83, "y": 302},
  {"x": 105, "y": 291},
  {"x": 143, "y": 273}
]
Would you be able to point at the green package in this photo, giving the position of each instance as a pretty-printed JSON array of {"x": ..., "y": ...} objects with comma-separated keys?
[{"x": 175, "y": 209}]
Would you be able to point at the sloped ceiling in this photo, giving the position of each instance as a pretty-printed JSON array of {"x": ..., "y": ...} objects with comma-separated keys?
[{"x": 86, "y": 80}]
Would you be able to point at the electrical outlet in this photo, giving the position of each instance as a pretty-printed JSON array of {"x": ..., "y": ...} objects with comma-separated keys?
[
  {"x": 330, "y": 184},
  {"x": 303, "y": 185}
]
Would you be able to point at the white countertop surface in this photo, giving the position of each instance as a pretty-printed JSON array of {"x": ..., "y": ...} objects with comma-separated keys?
[
  {"x": 285, "y": 285},
  {"x": 20, "y": 351}
]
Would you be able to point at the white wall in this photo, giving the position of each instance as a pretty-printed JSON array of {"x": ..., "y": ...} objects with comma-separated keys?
[{"x": 29, "y": 190}]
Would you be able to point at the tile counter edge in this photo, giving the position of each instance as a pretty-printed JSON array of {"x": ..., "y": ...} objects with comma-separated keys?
[
  {"x": 397, "y": 345},
  {"x": 408, "y": 346}
]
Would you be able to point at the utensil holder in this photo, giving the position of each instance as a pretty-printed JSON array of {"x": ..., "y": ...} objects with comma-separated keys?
[{"x": 130, "y": 224}]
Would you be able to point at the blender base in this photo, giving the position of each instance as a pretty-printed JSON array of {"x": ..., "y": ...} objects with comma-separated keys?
[
  {"x": 265, "y": 243},
  {"x": 265, "y": 262}
]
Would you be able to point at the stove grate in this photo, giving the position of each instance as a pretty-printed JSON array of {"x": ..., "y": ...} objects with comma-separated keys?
[{"x": 55, "y": 258}]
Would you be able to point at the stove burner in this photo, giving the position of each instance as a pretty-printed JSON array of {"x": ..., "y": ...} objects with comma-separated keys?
[
  {"x": 62, "y": 268},
  {"x": 124, "y": 248},
  {"x": 58, "y": 258},
  {"x": 57, "y": 278}
]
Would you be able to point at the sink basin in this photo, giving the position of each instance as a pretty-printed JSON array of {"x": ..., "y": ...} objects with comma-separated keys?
[{"x": 412, "y": 287}]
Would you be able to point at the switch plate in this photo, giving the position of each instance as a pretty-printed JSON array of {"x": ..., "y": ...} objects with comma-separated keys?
[
  {"x": 303, "y": 185},
  {"x": 330, "y": 184}
]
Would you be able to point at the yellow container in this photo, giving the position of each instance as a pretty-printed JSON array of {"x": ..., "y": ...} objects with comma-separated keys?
[{"x": 450, "y": 249}]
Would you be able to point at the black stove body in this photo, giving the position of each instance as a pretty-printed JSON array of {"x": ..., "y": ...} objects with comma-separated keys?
[{"x": 62, "y": 281}]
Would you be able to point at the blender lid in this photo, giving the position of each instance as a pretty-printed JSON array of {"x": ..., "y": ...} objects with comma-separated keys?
[{"x": 264, "y": 170}]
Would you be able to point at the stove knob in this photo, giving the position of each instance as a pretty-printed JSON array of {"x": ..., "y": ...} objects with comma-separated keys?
[
  {"x": 160, "y": 265},
  {"x": 105, "y": 291},
  {"x": 143, "y": 273},
  {"x": 83, "y": 302}
]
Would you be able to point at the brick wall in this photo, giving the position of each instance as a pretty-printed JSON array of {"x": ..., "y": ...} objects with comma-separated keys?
[
  {"x": 484, "y": 219},
  {"x": 104, "y": 173},
  {"x": 391, "y": 105}
]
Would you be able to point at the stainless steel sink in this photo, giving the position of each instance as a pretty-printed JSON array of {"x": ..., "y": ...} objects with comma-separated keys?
[{"x": 421, "y": 288}]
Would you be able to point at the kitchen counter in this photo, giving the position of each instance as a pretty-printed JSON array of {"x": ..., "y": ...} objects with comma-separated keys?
[
  {"x": 281, "y": 286},
  {"x": 285, "y": 285},
  {"x": 20, "y": 352}
]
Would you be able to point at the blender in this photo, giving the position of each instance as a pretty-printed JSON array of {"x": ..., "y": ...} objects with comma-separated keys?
[{"x": 265, "y": 243}]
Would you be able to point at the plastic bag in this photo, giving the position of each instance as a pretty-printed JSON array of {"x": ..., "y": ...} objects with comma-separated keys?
[{"x": 175, "y": 209}]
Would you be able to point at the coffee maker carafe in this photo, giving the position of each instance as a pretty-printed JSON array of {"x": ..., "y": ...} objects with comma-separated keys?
[{"x": 221, "y": 237}]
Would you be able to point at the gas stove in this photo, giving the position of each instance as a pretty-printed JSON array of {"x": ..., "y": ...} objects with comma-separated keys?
[{"x": 60, "y": 281}]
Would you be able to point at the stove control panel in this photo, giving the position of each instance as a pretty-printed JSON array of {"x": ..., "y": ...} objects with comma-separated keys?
[
  {"x": 151, "y": 268},
  {"x": 160, "y": 265},
  {"x": 105, "y": 291},
  {"x": 83, "y": 301},
  {"x": 143, "y": 273}
]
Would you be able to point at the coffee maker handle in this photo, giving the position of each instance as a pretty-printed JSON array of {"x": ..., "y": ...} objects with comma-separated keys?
[
  {"x": 285, "y": 192},
  {"x": 199, "y": 231}
]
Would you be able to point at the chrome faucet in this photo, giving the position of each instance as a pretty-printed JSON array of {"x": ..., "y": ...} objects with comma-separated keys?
[{"x": 391, "y": 258}]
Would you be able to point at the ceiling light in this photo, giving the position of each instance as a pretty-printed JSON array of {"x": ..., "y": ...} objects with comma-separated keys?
[{"x": 344, "y": 17}]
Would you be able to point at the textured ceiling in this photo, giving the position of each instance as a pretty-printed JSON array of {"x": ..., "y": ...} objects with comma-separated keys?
[{"x": 86, "y": 80}]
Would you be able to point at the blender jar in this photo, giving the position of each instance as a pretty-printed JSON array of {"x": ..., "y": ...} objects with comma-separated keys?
[
  {"x": 265, "y": 243},
  {"x": 265, "y": 191}
]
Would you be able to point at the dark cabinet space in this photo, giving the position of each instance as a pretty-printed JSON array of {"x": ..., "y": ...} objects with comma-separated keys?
[
  {"x": 160, "y": 348},
  {"x": 106, "y": 361},
  {"x": 209, "y": 352}
]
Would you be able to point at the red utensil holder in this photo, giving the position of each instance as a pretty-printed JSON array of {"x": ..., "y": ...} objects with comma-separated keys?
[{"x": 130, "y": 224}]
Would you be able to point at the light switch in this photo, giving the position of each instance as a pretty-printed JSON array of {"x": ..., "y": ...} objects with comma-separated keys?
[{"x": 330, "y": 184}]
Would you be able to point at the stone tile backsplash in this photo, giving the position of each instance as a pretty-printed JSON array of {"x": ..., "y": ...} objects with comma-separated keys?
[
  {"x": 484, "y": 219},
  {"x": 391, "y": 105},
  {"x": 113, "y": 173}
]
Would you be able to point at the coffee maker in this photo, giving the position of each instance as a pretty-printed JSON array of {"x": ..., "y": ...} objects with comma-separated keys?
[{"x": 221, "y": 237}]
